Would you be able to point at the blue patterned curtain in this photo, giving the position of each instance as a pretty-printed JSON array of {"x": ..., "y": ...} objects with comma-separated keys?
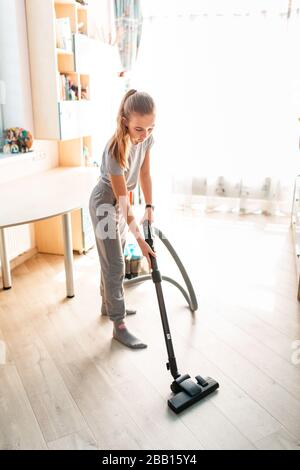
[{"x": 128, "y": 18}]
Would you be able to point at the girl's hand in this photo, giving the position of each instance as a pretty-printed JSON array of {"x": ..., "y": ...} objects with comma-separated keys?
[
  {"x": 148, "y": 215},
  {"x": 146, "y": 250}
]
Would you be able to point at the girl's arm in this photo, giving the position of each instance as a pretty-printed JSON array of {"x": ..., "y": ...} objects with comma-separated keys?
[
  {"x": 145, "y": 179},
  {"x": 146, "y": 185},
  {"x": 120, "y": 190}
]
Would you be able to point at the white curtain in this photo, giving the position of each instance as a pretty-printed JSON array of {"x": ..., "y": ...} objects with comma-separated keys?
[{"x": 226, "y": 79}]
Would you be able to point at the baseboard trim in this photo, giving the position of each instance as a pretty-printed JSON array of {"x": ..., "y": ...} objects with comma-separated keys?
[{"x": 20, "y": 259}]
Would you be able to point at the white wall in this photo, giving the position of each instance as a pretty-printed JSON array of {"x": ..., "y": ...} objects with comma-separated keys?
[
  {"x": 15, "y": 72},
  {"x": 14, "y": 64}
]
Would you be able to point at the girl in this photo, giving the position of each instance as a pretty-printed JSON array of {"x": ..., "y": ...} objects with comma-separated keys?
[{"x": 126, "y": 159}]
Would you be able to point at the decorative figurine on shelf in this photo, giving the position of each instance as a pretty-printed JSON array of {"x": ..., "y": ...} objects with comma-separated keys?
[{"x": 17, "y": 140}]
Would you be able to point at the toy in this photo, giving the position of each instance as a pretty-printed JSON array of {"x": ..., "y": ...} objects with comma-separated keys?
[
  {"x": 133, "y": 259},
  {"x": 17, "y": 140}
]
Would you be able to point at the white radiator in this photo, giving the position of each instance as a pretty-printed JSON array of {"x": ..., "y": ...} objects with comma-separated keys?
[{"x": 19, "y": 239}]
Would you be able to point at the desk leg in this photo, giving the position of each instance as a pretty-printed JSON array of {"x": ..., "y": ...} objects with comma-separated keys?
[
  {"x": 5, "y": 268},
  {"x": 68, "y": 252}
]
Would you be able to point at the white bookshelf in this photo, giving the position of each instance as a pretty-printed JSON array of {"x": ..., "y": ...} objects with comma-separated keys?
[
  {"x": 55, "y": 116},
  {"x": 59, "y": 114}
]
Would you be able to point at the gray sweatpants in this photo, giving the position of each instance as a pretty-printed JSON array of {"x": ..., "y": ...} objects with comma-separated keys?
[{"x": 110, "y": 232}]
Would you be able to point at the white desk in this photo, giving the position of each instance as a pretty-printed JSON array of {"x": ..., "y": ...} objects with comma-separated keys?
[{"x": 40, "y": 196}]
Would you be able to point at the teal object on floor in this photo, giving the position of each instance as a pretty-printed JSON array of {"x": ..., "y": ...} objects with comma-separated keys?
[
  {"x": 134, "y": 250},
  {"x": 133, "y": 257}
]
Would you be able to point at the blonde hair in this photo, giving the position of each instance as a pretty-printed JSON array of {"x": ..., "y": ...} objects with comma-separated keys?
[{"x": 133, "y": 102}]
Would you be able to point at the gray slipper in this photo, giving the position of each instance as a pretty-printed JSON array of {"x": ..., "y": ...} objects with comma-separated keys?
[{"x": 121, "y": 334}]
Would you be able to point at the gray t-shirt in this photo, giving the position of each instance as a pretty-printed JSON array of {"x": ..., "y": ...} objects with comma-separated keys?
[{"x": 110, "y": 166}]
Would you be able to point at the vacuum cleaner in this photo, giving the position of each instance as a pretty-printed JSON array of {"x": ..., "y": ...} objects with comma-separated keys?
[{"x": 185, "y": 390}]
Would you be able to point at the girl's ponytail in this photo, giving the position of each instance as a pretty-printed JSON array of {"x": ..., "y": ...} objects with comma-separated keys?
[
  {"x": 133, "y": 101},
  {"x": 119, "y": 143}
]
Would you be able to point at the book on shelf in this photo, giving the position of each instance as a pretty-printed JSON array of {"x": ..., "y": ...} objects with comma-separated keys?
[{"x": 69, "y": 90}]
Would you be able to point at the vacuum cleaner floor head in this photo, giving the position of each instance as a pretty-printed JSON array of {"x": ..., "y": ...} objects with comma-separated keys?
[{"x": 191, "y": 392}]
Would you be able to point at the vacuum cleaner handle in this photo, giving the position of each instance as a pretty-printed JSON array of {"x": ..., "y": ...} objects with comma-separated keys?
[
  {"x": 149, "y": 238},
  {"x": 148, "y": 233}
]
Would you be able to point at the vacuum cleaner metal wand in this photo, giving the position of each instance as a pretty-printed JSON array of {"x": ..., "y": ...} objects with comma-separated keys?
[
  {"x": 156, "y": 277},
  {"x": 186, "y": 391}
]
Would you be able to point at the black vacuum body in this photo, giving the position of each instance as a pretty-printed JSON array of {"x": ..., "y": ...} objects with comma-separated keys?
[{"x": 186, "y": 391}]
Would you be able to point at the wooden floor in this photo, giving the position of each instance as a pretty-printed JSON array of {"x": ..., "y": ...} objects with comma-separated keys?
[{"x": 66, "y": 385}]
